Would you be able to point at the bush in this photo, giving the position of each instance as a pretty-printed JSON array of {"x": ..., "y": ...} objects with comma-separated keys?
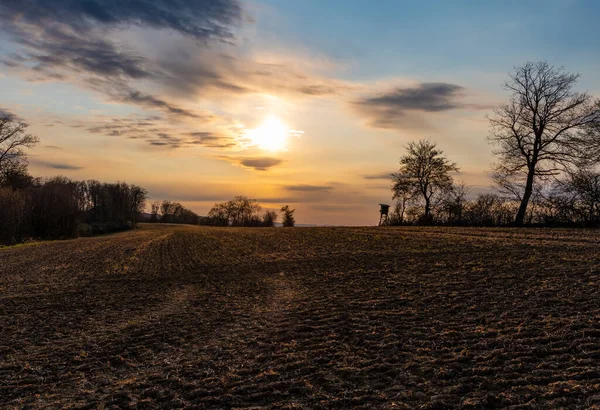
[
  {"x": 84, "y": 229},
  {"x": 112, "y": 227}
]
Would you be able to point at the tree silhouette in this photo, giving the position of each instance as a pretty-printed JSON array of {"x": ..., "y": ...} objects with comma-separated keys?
[
  {"x": 288, "y": 216},
  {"x": 424, "y": 173},
  {"x": 13, "y": 139},
  {"x": 540, "y": 132},
  {"x": 269, "y": 218}
]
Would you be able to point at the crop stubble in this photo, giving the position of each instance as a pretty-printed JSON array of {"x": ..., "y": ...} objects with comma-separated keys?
[{"x": 175, "y": 316}]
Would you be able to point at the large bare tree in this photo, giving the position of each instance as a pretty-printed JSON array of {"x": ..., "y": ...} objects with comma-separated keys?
[
  {"x": 542, "y": 131},
  {"x": 424, "y": 173},
  {"x": 13, "y": 140}
]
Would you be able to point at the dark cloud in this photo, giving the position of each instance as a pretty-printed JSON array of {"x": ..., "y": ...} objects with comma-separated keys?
[
  {"x": 309, "y": 188},
  {"x": 60, "y": 39},
  {"x": 106, "y": 69},
  {"x": 200, "y": 19},
  {"x": 49, "y": 49},
  {"x": 382, "y": 175},
  {"x": 260, "y": 163},
  {"x": 56, "y": 165},
  {"x": 83, "y": 41},
  {"x": 402, "y": 107},
  {"x": 429, "y": 97}
]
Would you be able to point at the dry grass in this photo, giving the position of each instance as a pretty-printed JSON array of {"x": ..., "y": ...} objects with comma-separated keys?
[{"x": 170, "y": 317}]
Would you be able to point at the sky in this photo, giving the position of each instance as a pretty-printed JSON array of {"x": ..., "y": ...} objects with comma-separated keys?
[{"x": 308, "y": 103}]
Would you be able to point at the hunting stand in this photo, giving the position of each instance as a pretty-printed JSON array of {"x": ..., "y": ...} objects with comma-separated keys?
[{"x": 383, "y": 217}]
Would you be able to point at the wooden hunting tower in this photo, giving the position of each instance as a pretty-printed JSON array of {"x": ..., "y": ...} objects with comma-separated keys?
[{"x": 385, "y": 209}]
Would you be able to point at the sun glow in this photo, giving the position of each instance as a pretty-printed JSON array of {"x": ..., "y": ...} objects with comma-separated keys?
[{"x": 271, "y": 135}]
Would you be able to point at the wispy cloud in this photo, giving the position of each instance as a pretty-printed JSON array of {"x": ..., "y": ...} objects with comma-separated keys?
[
  {"x": 309, "y": 188},
  {"x": 381, "y": 175},
  {"x": 200, "y": 19},
  {"x": 56, "y": 165},
  {"x": 158, "y": 132},
  {"x": 102, "y": 45}
]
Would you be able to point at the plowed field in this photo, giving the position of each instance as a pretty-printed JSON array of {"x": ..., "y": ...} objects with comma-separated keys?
[{"x": 168, "y": 317}]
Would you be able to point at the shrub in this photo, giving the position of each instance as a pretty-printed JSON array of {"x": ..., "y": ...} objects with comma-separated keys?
[{"x": 84, "y": 229}]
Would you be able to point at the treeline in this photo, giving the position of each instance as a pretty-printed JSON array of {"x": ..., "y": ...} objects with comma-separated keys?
[
  {"x": 547, "y": 140},
  {"x": 58, "y": 207},
  {"x": 573, "y": 202},
  {"x": 172, "y": 212},
  {"x": 54, "y": 208},
  {"x": 243, "y": 211}
]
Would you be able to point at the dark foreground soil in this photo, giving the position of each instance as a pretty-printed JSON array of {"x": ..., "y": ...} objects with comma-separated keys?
[{"x": 173, "y": 317}]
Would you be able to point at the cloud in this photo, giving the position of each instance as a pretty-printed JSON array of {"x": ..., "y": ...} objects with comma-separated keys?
[
  {"x": 403, "y": 107},
  {"x": 56, "y": 53},
  {"x": 321, "y": 89},
  {"x": 309, "y": 188},
  {"x": 84, "y": 42},
  {"x": 56, "y": 165},
  {"x": 199, "y": 19},
  {"x": 158, "y": 132},
  {"x": 103, "y": 45},
  {"x": 149, "y": 101},
  {"x": 77, "y": 44},
  {"x": 382, "y": 175},
  {"x": 211, "y": 140},
  {"x": 260, "y": 163},
  {"x": 189, "y": 72}
]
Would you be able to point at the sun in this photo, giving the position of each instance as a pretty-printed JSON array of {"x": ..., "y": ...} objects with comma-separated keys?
[{"x": 271, "y": 135}]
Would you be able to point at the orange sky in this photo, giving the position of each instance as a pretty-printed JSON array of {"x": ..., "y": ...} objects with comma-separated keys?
[{"x": 183, "y": 114}]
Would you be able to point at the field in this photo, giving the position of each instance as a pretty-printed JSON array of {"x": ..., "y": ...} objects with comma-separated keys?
[{"x": 176, "y": 316}]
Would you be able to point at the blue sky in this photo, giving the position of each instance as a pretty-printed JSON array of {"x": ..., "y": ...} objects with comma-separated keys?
[
  {"x": 388, "y": 38},
  {"x": 163, "y": 97}
]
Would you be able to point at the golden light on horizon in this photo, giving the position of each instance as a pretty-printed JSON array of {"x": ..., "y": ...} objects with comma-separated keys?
[{"x": 271, "y": 135}]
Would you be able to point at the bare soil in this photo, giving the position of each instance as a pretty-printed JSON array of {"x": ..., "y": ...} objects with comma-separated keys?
[{"x": 173, "y": 317}]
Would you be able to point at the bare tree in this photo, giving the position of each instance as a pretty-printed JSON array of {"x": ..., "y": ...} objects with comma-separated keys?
[
  {"x": 424, "y": 173},
  {"x": 404, "y": 192},
  {"x": 454, "y": 203},
  {"x": 154, "y": 211},
  {"x": 269, "y": 218},
  {"x": 240, "y": 211},
  {"x": 13, "y": 140},
  {"x": 584, "y": 188},
  {"x": 166, "y": 211},
  {"x": 541, "y": 131}
]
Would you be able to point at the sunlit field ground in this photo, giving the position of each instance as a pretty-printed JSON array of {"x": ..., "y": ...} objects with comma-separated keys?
[{"x": 169, "y": 317}]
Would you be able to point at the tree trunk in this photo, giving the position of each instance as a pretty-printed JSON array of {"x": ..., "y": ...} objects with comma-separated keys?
[
  {"x": 526, "y": 196},
  {"x": 427, "y": 211}
]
